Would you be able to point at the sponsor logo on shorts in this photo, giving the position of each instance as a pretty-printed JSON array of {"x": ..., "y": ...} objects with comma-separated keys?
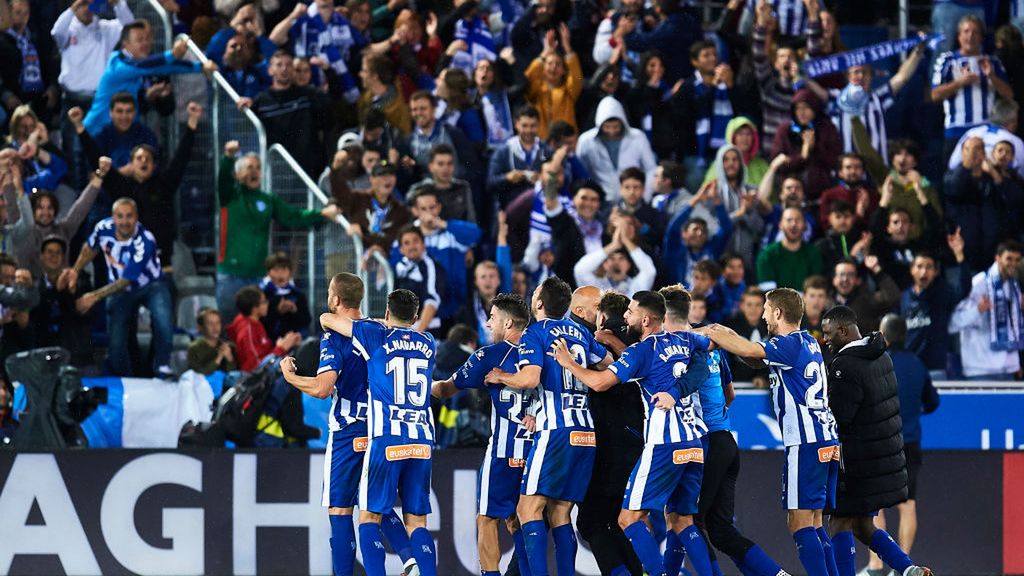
[
  {"x": 828, "y": 453},
  {"x": 516, "y": 462},
  {"x": 582, "y": 439},
  {"x": 688, "y": 455},
  {"x": 408, "y": 452},
  {"x": 360, "y": 444}
]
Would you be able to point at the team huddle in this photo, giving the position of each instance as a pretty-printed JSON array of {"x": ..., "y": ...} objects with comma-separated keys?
[{"x": 539, "y": 374}]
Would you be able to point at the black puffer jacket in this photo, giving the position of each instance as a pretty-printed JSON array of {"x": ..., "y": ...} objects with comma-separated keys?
[{"x": 864, "y": 398}]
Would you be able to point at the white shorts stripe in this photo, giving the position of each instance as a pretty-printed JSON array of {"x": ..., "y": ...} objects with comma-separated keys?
[
  {"x": 540, "y": 447},
  {"x": 792, "y": 477},
  {"x": 325, "y": 498},
  {"x": 636, "y": 491},
  {"x": 485, "y": 481}
]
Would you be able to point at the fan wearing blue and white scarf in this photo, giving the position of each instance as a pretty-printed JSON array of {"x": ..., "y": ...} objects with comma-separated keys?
[
  {"x": 477, "y": 36},
  {"x": 711, "y": 121},
  {"x": 1005, "y": 326}
]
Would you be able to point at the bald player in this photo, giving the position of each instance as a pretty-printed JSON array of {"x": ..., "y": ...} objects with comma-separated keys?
[{"x": 583, "y": 307}]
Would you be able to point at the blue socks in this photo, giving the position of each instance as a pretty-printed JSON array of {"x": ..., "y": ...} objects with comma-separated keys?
[
  {"x": 494, "y": 573},
  {"x": 565, "y": 549},
  {"x": 845, "y": 551},
  {"x": 890, "y": 552},
  {"x": 716, "y": 570},
  {"x": 423, "y": 551},
  {"x": 343, "y": 544},
  {"x": 372, "y": 548},
  {"x": 674, "y": 553},
  {"x": 826, "y": 547},
  {"x": 535, "y": 536},
  {"x": 812, "y": 555},
  {"x": 521, "y": 556},
  {"x": 646, "y": 548},
  {"x": 697, "y": 548},
  {"x": 394, "y": 532},
  {"x": 757, "y": 563}
]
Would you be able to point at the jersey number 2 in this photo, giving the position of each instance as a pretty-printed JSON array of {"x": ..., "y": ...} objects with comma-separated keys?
[{"x": 408, "y": 373}]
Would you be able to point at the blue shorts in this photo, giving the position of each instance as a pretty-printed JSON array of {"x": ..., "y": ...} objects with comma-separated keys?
[
  {"x": 809, "y": 476},
  {"x": 396, "y": 467},
  {"x": 666, "y": 476},
  {"x": 497, "y": 486},
  {"x": 343, "y": 463},
  {"x": 560, "y": 464}
]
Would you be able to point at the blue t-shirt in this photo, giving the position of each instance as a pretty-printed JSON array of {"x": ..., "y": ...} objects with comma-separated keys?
[
  {"x": 348, "y": 402},
  {"x": 564, "y": 402},
  {"x": 400, "y": 362},
  {"x": 799, "y": 388},
  {"x": 508, "y": 406}
]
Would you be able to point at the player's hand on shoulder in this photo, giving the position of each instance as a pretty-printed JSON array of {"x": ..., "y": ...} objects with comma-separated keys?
[
  {"x": 494, "y": 376},
  {"x": 560, "y": 352}
]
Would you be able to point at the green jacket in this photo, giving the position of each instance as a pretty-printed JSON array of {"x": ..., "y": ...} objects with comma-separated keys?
[{"x": 245, "y": 216}]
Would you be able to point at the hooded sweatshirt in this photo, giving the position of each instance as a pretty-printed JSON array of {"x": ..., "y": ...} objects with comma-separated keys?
[
  {"x": 756, "y": 165},
  {"x": 633, "y": 150},
  {"x": 817, "y": 168},
  {"x": 747, "y": 229}
]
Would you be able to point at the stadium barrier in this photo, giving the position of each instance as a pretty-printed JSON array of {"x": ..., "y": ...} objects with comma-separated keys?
[{"x": 222, "y": 512}]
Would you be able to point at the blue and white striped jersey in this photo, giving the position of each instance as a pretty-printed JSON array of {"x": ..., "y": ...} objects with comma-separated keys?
[
  {"x": 799, "y": 388},
  {"x": 971, "y": 104},
  {"x": 333, "y": 41},
  {"x": 348, "y": 401},
  {"x": 508, "y": 406},
  {"x": 654, "y": 363},
  {"x": 791, "y": 16},
  {"x": 400, "y": 362},
  {"x": 879, "y": 100},
  {"x": 135, "y": 259},
  {"x": 564, "y": 402}
]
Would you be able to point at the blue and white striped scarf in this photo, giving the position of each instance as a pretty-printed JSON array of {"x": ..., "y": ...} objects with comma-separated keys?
[
  {"x": 1005, "y": 326},
  {"x": 477, "y": 35},
  {"x": 332, "y": 41},
  {"x": 711, "y": 124}
]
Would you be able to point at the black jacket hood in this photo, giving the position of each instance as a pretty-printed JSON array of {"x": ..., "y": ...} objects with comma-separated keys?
[{"x": 868, "y": 348}]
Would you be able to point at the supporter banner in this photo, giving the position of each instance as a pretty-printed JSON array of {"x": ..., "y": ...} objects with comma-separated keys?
[
  {"x": 223, "y": 512},
  {"x": 867, "y": 55}
]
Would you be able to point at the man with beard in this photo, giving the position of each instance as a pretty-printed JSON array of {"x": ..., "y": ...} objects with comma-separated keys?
[
  {"x": 870, "y": 306},
  {"x": 797, "y": 375},
  {"x": 852, "y": 187},
  {"x": 864, "y": 397},
  {"x": 786, "y": 263}
]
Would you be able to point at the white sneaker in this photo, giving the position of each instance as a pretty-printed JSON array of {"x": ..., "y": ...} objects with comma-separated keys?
[
  {"x": 410, "y": 568},
  {"x": 917, "y": 571}
]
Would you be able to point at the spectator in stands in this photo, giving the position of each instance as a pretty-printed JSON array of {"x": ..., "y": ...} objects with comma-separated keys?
[
  {"x": 85, "y": 42},
  {"x": 247, "y": 333},
  {"x": 288, "y": 309},
  {"x": 815, "y": 300},
  {"x": 452, "y": 352},
  {"x": 927, "y": 306},
  {"x": 605, "y": 81},
  {"x": 239, "y": 66},
  {"x": 117, "y": 139},
  {"x": 704, "y": 107},
  {"x": 741, "y": 132},
  {"x": 673, "y": 35},
  {"x": 14, "y": 233},
  {"x": 210, "y": 353},
  {"x": 44, "y": 213},
  {"x": 37, "y": 72},
  {"x": 904, "y": 187},
  {"x": 8, "y": 424},
  {"x": 777, "y": 80},
  {"x": 687, "y": 240},
  {"x": 706, "y": 274},
  {"x": 380, "y": 91},
  {"x": 491, "y": 79},
  {"x": 989, "y": 319},
  {"x": 788, "y": 262},
  {"x": 893, "y": 239},
  {"x": 617, "y": 261},
  {"x": 42, "y": 164},
  {"x": 452, "y": 90},
  {"x": 57, "y": 320},
  {"x": 247, "y": 19},
  {"x": 791, "y": 195},
  {"x": 487, "y": 282},
  {"x": 854, "y": 188},
  {"x": 870, "y": 306},
  {"x": 843, "y": 239},
  {"x": 427, "y": 131},
  {"x": 810, "y": 142},
  {"x": 670, "y": 192},
  {"x": 967, "y": 81},
  {"x": 733, "y": 282},
  {"x": 612, "y": 146},
  {"x": 649, "y": 105},
  {"x": 1001, "y": 127},
  {"x": 154, "y": 189},
  {"x": 417, "y": 272},
  {"x": 294, "y": 116},
  {"x": 135, "y": 278},
  {"x": 128, "y": 66},
  {"x": 448, "y": 242},
  {"x": 631, "y": 203},
  {"x": 515, "y": 165},
  {"x": 554, "y": 81},
  {"x": 528, "y": 33},
  {"x": 319, "y": 31},
  {"x": 16, "y": 333},
  {"x": 748, "y": 323},
  {"x": 739, "y": 199},
  {"x": 455, "y": 194},
  {"x": 246, "y": 213},
  {"x": 375, "y": 215},
  {"x": 698, "y": 309},
  {"x": 974, "y": 203}
]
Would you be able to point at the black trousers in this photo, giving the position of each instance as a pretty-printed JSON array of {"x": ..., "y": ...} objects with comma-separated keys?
[{"x": 718, "y": 497}]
